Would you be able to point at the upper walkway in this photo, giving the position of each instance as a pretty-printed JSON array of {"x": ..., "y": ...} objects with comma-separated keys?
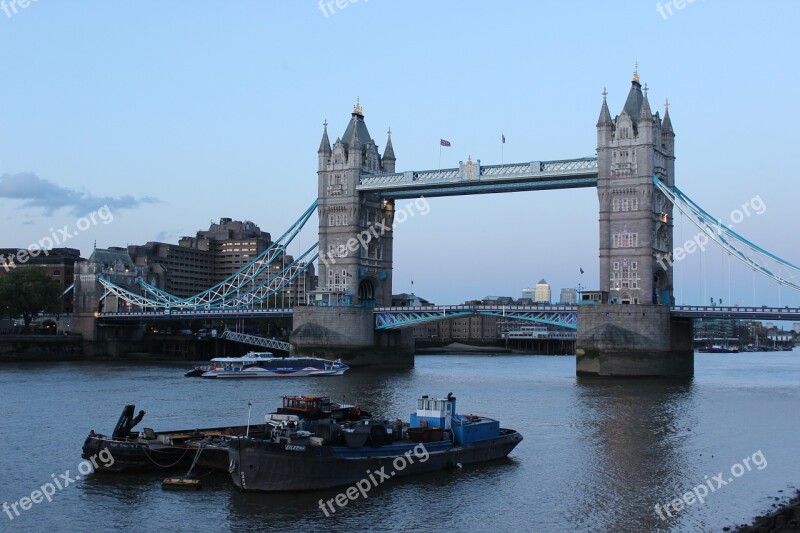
[{"x": 472, "y": 178}]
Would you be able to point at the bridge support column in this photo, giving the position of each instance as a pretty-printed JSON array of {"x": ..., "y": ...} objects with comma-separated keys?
[
  {"x": 633, "y": 340},
  {"x": 349, "y": 333}
]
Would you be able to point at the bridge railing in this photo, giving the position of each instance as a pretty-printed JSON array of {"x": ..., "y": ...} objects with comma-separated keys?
[
  {"x": 435, "y": 308},
  {"x": 735, "y": 309},
  {"x": 174, "y": 313}
]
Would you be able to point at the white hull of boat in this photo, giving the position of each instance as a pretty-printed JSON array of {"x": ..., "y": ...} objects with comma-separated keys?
[{"x": 264, "y": 373}]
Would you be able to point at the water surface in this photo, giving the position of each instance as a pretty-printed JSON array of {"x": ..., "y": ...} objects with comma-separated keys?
[{"x": 598, "y": 454}]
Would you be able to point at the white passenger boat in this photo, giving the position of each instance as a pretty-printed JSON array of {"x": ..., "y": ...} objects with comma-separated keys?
[{"x": 266, "y": 365}]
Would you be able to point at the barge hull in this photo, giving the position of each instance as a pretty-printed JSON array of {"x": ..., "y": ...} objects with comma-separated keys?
[{"x": 263, "y": 466}]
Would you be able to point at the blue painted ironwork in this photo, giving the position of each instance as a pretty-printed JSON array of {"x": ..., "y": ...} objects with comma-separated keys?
[
  {"x": 274, "y": 284},
  {"x": 238, "y": 290},
  {"x": 735, "y": 245},
  {"x": 477, "y": 179},
  {"x": 262, "y": 342},
  {"x": 133, "y": 299},
  {"x": 404, "y": 317},
  {"x": 227, "y": 289},
  {"x": 246, "y": 298},
  {"x": 409, "y": 317}
]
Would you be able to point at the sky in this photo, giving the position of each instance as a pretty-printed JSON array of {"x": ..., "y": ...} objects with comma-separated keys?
[{"x": 170, "y": 115}]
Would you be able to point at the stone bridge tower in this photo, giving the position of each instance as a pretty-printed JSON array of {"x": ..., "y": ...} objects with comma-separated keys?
[
  {"x": 355, "y": 257},
  {"x": 355, "y": 235},
  {"x": 641, "y": 339},
  {"x": 635, "y": 218}
]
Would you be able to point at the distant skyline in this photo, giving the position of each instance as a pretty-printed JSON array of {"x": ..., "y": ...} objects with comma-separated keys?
[{"x": 177, "y": 114}]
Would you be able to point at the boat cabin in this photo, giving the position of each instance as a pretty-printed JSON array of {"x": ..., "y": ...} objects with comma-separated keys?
[
  {"x": 308, "y": 405},
  {"x": 441, "y": 413},
  {"x": 434, "y": 412}
]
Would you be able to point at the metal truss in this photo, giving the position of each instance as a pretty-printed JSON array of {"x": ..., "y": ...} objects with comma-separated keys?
[
  {"x": 255, "y": 341},
  {"x": 735, "y": 245},
  {"x": 137, "y": 300},
  {"x": 227, "y": 288},
  {"x": 406, "y": 317},
  {"x": 534, "y": 175},
  {"x": 273, "y": 285},
  {"x": 238, "y": 300}
]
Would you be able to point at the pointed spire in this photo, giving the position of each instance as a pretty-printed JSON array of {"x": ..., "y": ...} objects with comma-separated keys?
[
  {"x": 356, "y": 135},
  {"x": 388, "y": 152},
  {"x": 605, "y": 116},
  {"x": 352, "y": 142},
  {"x": 633, "y": 105},
  {"x": 357, "y": 108},
  {"x": 666, "y": 125},
  {"x": 325, "y": 144},
  {"x": 644, "y": 112}
]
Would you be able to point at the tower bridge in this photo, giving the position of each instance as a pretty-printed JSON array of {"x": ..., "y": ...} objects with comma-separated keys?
[{"x": 638, "y": 332}]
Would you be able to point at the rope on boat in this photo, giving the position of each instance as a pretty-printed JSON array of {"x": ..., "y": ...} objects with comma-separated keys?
[
  {"x": 147, "y": 454},
  {"x": 200, "y": 447}
]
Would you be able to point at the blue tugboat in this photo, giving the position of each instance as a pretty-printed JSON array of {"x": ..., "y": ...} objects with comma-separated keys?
[{"x": 436, "y": 438}]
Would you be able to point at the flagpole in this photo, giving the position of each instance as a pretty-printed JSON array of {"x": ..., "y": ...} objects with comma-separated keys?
[
  {"x": 440, "y": 155},
  {"x": 502, "y": 149}
]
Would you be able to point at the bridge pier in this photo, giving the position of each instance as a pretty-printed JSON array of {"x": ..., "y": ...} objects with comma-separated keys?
[
  {"x": 633, "y": 340},
  {"x": 349, "y": 333}
]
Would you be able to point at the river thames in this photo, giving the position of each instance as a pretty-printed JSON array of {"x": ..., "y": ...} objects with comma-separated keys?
[{"x": 597, "y": 454}]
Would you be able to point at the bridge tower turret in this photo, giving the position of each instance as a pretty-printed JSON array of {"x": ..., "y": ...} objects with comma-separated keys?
[
  {"x": 635, "y": 218},
  {"x": 635, "y": 250},
  {"x": 355, "y": 235}
]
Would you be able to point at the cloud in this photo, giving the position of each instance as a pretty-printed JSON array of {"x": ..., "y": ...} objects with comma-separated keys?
[
  {"x": 164, "y": 235},
  {"x": 44, "y": 194}
]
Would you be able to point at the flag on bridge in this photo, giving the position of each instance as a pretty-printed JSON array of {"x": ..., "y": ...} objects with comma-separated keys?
[
  {"x": 442, "y": 142},
  {"x": 502, "y": 135},
  {"x": 581, "y": 269}
]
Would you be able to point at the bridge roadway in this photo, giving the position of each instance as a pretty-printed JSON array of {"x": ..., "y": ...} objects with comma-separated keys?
[
  {"x": 191, "y": 314},
  {"x": 752, "y": 313},
  {"x": 404, "y": 317}
]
